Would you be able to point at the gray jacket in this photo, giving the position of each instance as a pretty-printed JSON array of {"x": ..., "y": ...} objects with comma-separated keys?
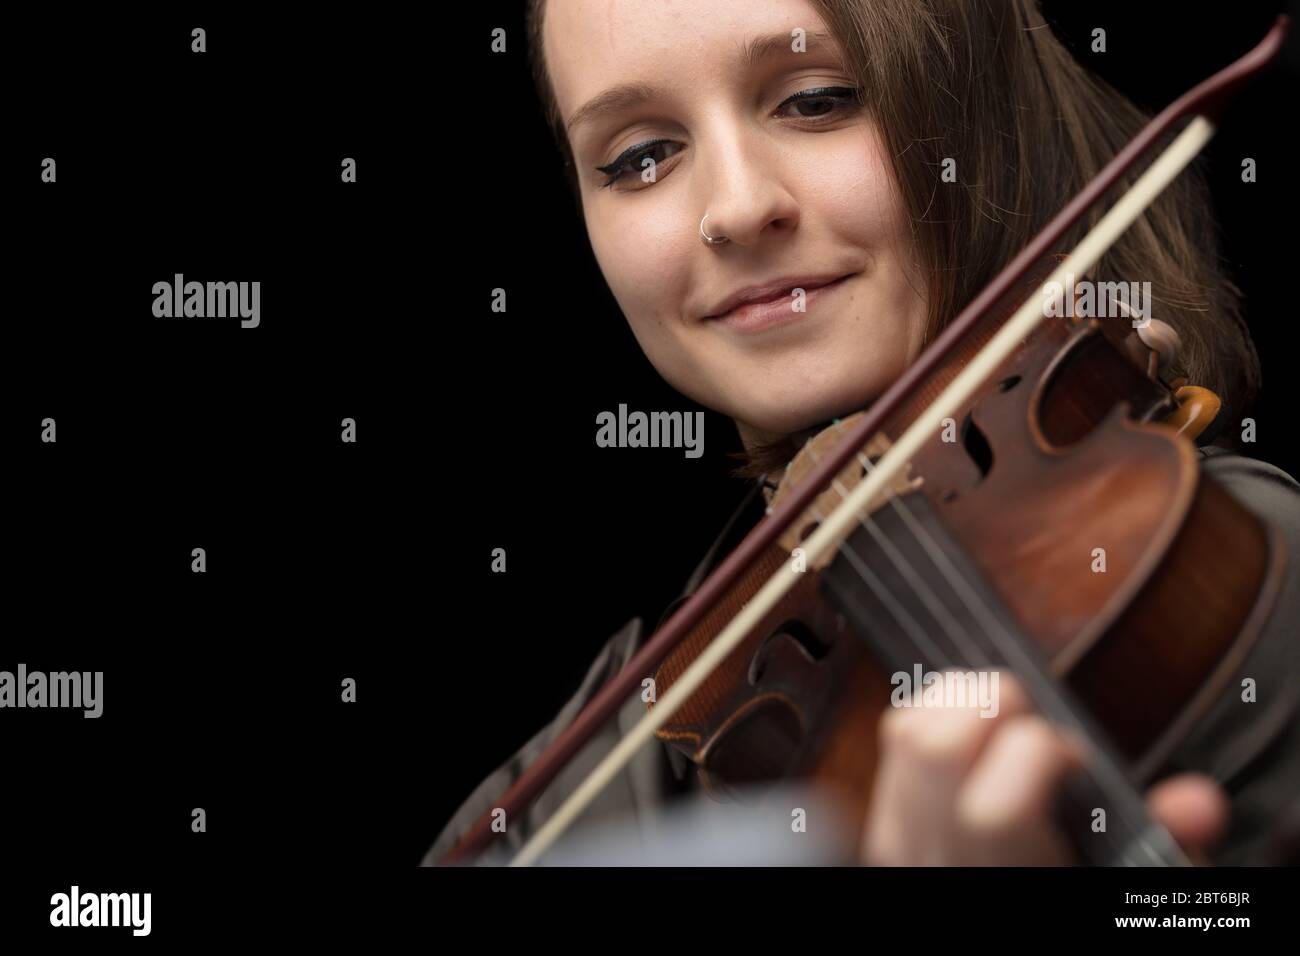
[{"x": 1253, "y": 750}]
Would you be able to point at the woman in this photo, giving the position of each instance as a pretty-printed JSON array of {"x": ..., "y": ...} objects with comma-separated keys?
[{"x": 886, "y": 158}]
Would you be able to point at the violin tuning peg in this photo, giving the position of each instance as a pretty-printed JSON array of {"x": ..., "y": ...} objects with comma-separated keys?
[{"x": 1197, "y": 410}]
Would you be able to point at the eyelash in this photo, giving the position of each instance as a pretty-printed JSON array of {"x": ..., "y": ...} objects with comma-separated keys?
[{"x": 845, "y": 97}]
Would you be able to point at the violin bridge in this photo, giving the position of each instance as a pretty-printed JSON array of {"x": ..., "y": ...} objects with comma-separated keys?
[{"x": 840, "y": 486}]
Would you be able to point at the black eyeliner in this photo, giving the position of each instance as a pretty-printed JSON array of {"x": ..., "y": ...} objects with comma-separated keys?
[
  {"x": 821, "y": 92},
  {"x": 627, "y": 154}
]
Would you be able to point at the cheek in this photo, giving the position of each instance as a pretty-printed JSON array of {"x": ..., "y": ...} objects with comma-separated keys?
[
  {"x": 845, "y": 179},
  {"x": 644, "y": 258}
]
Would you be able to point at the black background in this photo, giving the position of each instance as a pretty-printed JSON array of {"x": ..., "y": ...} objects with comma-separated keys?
[
  {"x": 221, "y": 690},
  {"x": 475, "y": 429}
]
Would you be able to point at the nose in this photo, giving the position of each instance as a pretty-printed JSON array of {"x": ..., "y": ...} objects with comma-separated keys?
[{"x": 744, "y": 191}]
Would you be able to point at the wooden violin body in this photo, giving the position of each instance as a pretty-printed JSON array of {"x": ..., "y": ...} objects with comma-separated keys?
[{"x": 1075, "y": 514}]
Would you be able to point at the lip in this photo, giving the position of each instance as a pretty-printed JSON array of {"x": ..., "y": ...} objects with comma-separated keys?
[{"x": 761, "y": 307}]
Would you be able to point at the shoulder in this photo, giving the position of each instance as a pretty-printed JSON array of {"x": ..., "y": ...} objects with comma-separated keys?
[
  {"x": 1250, "y": 742},
  {"x": 1264, "y": 488},
  {"x": 653, "y": 774},
  {"x": 611, "y": 657}
]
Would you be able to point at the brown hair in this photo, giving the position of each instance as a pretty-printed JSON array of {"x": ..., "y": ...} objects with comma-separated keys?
[{"x": 1029, "y": 127}]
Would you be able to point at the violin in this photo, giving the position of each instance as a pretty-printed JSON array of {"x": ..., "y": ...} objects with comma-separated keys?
[
  {"x": 985, "y": 554},
  {"x": 1026, "y": 497}
]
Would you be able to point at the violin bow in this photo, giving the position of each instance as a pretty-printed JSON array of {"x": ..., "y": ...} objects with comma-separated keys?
[{"x": 1205, "y": 103}]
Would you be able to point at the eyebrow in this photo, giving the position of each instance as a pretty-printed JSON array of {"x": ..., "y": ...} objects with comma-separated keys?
[{"x": 628, "y": 95}]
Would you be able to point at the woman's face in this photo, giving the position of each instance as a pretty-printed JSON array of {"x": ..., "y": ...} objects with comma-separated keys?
[{"x": 800, "y": 189}]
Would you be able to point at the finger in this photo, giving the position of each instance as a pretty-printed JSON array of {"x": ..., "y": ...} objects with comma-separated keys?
[
  {"x": 944, "y": 739},
  {"x": 926, "y": 752},
  {"x": 1004, "y": 808},
  {"x": 1192, "y": 807},
  {"x": 931, "y": 748}
]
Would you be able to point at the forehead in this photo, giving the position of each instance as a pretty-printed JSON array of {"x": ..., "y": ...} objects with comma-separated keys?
[{"x": 592, "y": 45}]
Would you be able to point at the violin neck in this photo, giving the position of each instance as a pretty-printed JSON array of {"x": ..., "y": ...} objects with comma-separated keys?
[
  {"x": 957, "y": 621},
  {"x": 1131, "y": 837}
]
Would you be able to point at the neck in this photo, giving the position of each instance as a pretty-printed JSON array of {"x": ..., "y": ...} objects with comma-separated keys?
[{"x": 760, "y": 445}]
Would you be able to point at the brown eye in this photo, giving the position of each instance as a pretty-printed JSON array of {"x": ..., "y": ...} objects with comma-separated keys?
[
  {"x": 633, "y": 159},
  {"x": 822, "y": 101}
]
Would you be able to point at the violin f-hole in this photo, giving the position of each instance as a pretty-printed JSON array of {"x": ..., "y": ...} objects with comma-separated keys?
[
  {"x": 799, "y": 634},
  {"x": 977, "y": 446}
]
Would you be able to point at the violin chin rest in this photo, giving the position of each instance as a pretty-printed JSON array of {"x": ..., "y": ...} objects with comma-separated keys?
[{"x": 1198, "y": 409}]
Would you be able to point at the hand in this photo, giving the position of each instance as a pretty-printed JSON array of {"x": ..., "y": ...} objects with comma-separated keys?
[{"x": 956, "y": 789}]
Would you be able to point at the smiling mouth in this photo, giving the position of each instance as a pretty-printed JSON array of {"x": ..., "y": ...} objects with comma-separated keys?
[{"x": 755, "y": 316}]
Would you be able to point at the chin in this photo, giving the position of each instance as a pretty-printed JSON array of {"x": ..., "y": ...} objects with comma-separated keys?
[
  {"x": 813, "y": 393},
  {"x": 799, "y": 416}
]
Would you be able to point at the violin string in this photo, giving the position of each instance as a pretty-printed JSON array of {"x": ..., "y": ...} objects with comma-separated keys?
[
  {"x": 966, "y": 643},
  {"x": 916, "y": 632},
  {"x": 900, "y": 613},
  {"x": 1101, "y": 767}
]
